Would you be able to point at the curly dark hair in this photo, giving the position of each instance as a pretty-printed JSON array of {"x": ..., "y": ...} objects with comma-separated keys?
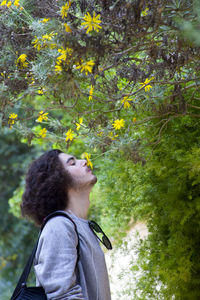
[{"x": 47, "y": 183}]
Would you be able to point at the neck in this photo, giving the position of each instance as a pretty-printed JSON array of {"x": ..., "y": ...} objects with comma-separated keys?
[{"x": 79, "y": 202}]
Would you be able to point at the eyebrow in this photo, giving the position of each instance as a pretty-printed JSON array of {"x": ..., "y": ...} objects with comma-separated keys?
[{"x": 70, "y": 158}]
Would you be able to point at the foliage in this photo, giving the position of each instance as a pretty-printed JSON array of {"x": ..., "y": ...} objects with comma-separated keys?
[
  {"x": 16, "y": 236},
  {"x": 101, "y": 61},
  {"x": 163, "y": 191},
  {"x": 190, "y": 28},
  {"x": 120, "y": 78},
  {"x": 169, "y": 188}
]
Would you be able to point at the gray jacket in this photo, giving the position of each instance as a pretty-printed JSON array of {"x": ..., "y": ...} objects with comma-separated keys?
[{"x": 55, "y": 262}]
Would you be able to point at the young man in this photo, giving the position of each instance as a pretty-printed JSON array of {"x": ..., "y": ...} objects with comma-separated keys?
[{"x": 58, "y": 181}]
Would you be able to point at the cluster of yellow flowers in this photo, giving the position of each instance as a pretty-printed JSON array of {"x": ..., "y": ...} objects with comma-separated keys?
[
  {"x": 91, "y": 92},
  {"x": 9, "y": 3},
  {"x": 64, "y": 59},
  {"x": 4, "y": 75},
  {"x": 144, "y": 13},
  {"x": 85, "y": 66},
  {"x": 37, "y": 43},
  {"x": 112, "y": 136},
  {"x": 21, "y": 61},
  {"x": 41, "y": 91},
  {"x": 65, "y": 8},
  {"x": 29, "y": 77},
  {"x": 70, "y": 133},
  {"x": 100, "y": 133},
  {"x": 43, "y": 42},
  {"x": 146, "y": 84},
  {"x": 80, "y": 122},
  {"x": 43, "y": 133},
  {"x": 117, "y": 125},
  {"x": 12, "y": 119},
  {"x": 126, "y": 101},
  {"x": 64, "y": 12},
  {"x": 42, "y": 116},
  {"x": 87, "y": 156},
  {"x": 91, "y": 22},
  {"x": 67, "y": 28},
  {"x": 45, "y": 20}
]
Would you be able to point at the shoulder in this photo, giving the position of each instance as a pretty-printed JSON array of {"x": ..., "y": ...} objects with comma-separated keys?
[
  {"x": 57, "y": 227},
  {"x": 58, "y": 238}
]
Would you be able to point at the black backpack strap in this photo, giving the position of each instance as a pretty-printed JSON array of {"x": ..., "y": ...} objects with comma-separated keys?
[{"x": 23, "y": 279}]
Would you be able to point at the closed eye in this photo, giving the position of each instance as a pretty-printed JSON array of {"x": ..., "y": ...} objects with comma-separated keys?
[{"x": 71, "y": 161}]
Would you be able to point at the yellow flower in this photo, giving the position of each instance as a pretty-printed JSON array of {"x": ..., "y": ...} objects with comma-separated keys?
[
  {"x": 146, "y": 85},
  {"x": 69, "y": 135},
  {"x": 47, "y": 37},
  {"x": 58, "y": 67},
  {"x": 43, "y": 42},
  {"x": 3, "y": 3},
  {"x": 91, "y": 92},
  {"x": 100, "y": 69},
  {"x": 22, "y": 57},
  {"x": 36, "y": 43},
  {"x": 134, "y": 120},
  {"x": 145, "y": 12},
  {"x": 86, "y": 66},
  {"x": 40, "y": 92},
  {"x": 65, "y": 8},
  {"x": 45, "y": 20},
  {"x": 32, "y": 81},
  {"x": 92, "y": 23},
  {"x": 118, "y": 124},
  {"x": 100, "y": 133},
  {"x": 52, "y": 46},
  {"x": 112, "y": 136},
  {"x": 12, "y": 119},
  {"x": 42, "y": 116},
  {"x": 87, "y": 156},
  {"x": 78, "y": 125},
  {"x": 63, "y": 59},
  {"x": 43, "y": 132},
  {"x": 21, "y": 61},
  {"x": 125, "y": 101},
  {"x": 16, "y": 3},
  {"x": 13, "y": 116},
  {"x": 67, "y": 28},
  {"x": 9, "y": 3},
  {"x": 64, "y": 53}
]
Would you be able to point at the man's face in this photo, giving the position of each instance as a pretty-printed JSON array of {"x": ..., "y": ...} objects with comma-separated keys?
[{"x": 81, "y": 174}]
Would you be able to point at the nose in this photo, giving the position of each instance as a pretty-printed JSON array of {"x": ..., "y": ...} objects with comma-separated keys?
[{"x": 84, "y": 162}]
